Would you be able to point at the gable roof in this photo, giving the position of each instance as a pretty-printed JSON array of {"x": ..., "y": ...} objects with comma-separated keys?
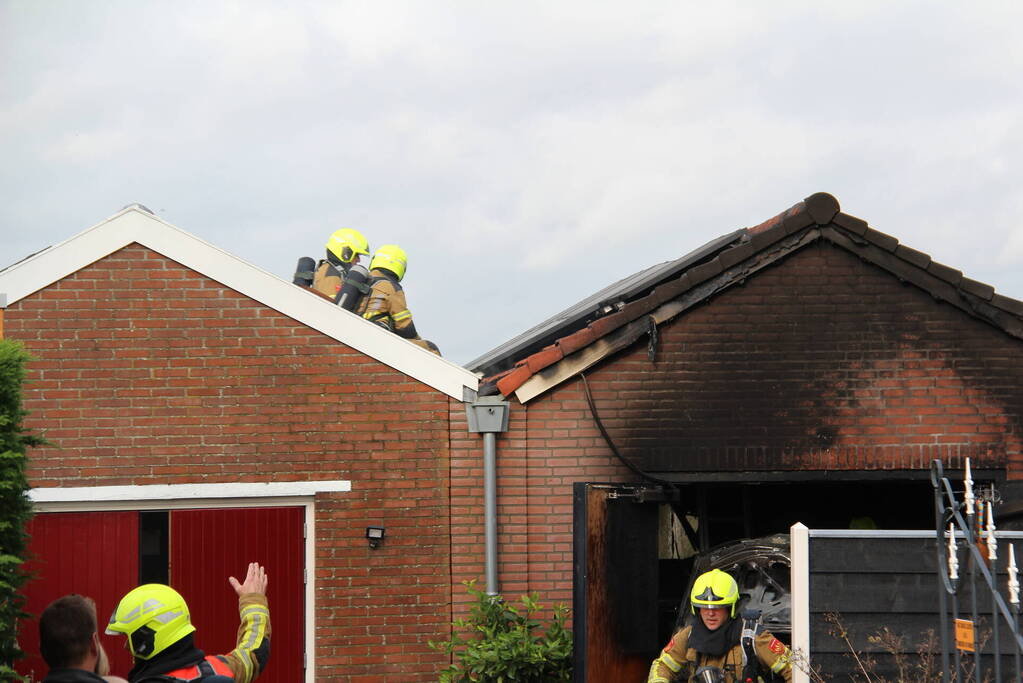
[
  {"x": 134, "y": 224},
  {"x": 614, "y": 318}
]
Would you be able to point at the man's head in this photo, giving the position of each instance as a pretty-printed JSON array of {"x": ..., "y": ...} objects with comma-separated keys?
[
  {"x": 715, "y": 594},
  {"x": 67, "y": 633},
  {"x": 154, "y": 617}
]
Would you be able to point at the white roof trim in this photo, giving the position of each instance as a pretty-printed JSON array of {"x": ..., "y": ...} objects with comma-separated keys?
[
  {"x": 134, "y": 225},
  {"x": 157, "y": 492}
]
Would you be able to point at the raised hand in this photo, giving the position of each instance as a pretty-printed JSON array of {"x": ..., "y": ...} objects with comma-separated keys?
[{"x": 255, "y": 581}]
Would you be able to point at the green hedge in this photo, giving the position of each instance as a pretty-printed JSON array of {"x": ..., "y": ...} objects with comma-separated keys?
[{"x": 15, "y": 508}]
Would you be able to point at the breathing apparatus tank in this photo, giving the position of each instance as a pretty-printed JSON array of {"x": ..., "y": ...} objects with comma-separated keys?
[
  {"x": 304, "y": 272},
  {"x": 356, "y": 286}
]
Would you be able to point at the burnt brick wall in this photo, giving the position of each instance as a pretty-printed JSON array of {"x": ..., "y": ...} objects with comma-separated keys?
[
  {"x": 821, "y": 362},
  {"x": 149, "y": 373}
]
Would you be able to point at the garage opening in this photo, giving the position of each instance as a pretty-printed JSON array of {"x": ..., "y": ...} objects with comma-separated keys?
[{"x": 635, "y": 547}]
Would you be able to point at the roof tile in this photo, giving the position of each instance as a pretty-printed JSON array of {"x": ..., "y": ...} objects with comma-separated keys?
[
  {"x": 886, "y": 242},
  {"x": 1006, "y": 304},
  {"x": 762, "y": 240},
  {"x": 767, "y": 225},
  {"x": 577, "y": 340},
  {"x": 853, "y": 224},
  {"x": 917, "y": 258},
  {"x": 541, "y": 359},
  {"x": 607, "y": 324},
  {"x": 978, "y": 289},
  {"x": 797, "y": 220},
  {"x": 705, "y": 271},
  {"x": 942, "y": 272},
  {"x": 821, "y": 207},
  {"x": 729, "y": 257},
  {"x": 515, "y": 378}
]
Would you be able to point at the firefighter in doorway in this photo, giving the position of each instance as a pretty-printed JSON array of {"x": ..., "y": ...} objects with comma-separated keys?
[
  {"x": 343, "y": 250},
  {"x": 718, "y": 645},
  {"x": 385, "y": 304},
  {"x": 156, "y": 621}
]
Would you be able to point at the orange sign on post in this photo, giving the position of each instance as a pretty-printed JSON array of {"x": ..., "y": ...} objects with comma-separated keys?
[{"x": 964, "y": 635}]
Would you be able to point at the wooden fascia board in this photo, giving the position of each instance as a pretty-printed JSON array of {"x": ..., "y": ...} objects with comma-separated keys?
[{"x": 621, "y": 338}]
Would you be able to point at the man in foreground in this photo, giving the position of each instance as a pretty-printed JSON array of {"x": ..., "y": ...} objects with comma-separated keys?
[{"x": 69, "y": 642}]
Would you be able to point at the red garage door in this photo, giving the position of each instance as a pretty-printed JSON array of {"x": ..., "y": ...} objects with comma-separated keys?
[
  {"x": 98, "y": 554},
  {"x": 91, "y": 553},
  {"x": 207, "y": 546}
]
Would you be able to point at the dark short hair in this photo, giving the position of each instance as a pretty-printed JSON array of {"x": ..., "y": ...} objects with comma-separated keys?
[{"x": 65, "y": 630}]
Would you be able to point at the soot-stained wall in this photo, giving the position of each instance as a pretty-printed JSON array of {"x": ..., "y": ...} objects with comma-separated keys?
[{"x": 822, "y": 362}]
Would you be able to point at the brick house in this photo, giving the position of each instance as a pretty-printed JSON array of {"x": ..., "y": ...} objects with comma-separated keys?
[
  {"x": 805, "y": 369},
  {"x": 204, "y": 413}
]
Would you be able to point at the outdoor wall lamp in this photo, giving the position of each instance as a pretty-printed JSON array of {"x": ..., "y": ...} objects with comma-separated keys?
[{"x": 375, "y": 535}]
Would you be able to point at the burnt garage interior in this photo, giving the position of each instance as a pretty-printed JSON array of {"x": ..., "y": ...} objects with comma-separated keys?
[
  {"x": 807, "y": 369},
  {"x": 649, "y": 544},
  {"x": 635, "y": 557}
]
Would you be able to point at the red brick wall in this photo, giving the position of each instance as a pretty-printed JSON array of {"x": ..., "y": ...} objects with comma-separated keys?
[
  {"x": 149, "y": 373},
  {"x": 822, "y": 362}
]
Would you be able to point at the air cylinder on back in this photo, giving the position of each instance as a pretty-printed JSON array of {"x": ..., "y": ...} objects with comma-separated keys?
[
  {"x": 304, "y": 272},
  {"x": 354, "y": 287}
]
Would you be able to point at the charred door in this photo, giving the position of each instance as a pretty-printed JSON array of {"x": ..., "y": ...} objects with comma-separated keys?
[{"x": 615, "y": 584}]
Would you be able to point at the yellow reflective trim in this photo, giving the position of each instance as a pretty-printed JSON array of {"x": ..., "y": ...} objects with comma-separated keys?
[
  {"x": 670, "y": 662},
  {"x": 780, "y": 663},
  {"x": 655, "y": 677},
  {"x": 402, "y": 315}
]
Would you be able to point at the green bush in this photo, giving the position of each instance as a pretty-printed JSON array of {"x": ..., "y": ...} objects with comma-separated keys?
[
  {"x": 15, "y": 508},
  {"x": 498, "y": 643}
]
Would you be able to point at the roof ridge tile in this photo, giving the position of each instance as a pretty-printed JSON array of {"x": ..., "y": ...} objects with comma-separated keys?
[
  {"x": 976, "y": 288},
  {"x": 883, "y": 240},
  {"x": 946, "y": 273},
  {"x": 855, "y": 225}
]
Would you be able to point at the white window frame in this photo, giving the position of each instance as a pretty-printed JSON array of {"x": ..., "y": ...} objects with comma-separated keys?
[{"x": 208, "y": 496}]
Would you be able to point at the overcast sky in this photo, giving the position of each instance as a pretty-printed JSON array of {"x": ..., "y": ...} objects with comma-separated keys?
[{"x": 525, "y": 154}]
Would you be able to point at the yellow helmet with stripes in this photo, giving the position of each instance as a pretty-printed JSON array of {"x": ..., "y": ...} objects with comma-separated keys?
[
  {"x": 154, "y": 617},
  {"x": 392, "y": 257}
]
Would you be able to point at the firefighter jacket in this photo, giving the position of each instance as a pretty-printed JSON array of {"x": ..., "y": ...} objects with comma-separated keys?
[
  {"x": 242, "y": 664},
  {"x": 385, "y": 305},
  {"x": 328, "y": 279},
  {"x": 679, "y": 662}
]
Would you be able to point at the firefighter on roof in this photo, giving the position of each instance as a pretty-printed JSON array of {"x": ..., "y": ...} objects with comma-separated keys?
[
  {"x": 385, "y": 304},
  {"x": 731, "y": 649}
]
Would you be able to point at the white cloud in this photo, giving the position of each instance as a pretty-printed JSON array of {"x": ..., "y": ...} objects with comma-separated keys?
[{"x": 515, "y": 143}]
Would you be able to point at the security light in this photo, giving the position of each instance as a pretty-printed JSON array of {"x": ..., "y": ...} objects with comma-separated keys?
[{"x": 375, "y": 535}]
